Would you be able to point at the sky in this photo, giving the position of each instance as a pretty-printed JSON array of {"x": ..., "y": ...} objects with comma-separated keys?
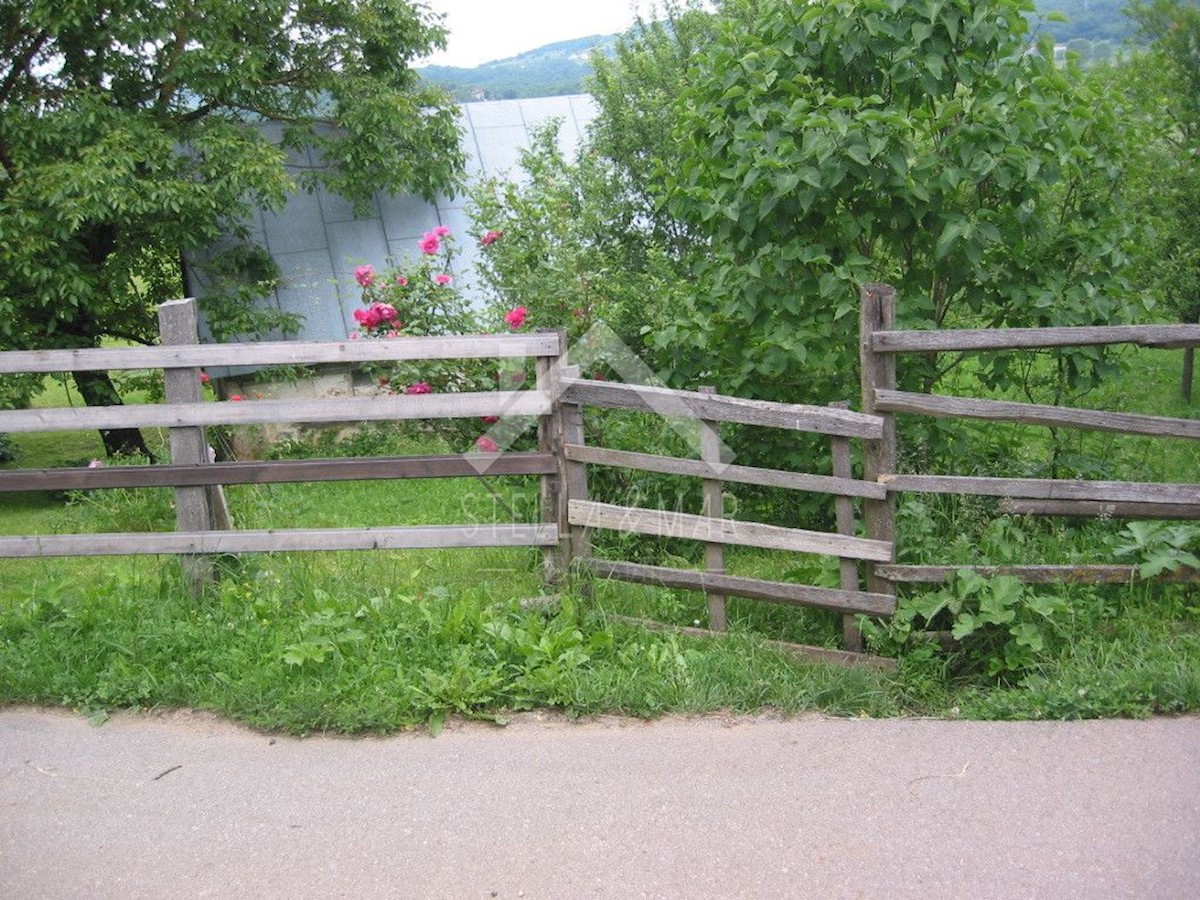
[{"x": 485, "y": 30}]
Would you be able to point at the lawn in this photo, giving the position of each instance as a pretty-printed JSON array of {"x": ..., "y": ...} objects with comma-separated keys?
[{"x": 383, "y": 640}]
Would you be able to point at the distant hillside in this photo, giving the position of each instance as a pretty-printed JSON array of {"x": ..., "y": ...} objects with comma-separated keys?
[
  {"x": 1095, "y": 29},
  {"x": 545, "y": 72}
]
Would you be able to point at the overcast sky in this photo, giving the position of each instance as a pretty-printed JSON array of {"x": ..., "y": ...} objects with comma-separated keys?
[{"x": 484, "y": 30}]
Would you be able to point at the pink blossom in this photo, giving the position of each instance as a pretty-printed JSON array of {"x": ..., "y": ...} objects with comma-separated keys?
[
  {"x": 402, "y": 281},
  {"x": 441, "y": 231},
  {"x": 204, "y": 379},
  {"x": 96, "y": 464},
  {"x": 516, "y": 317},
  {"x": 236, "y": 397},
  {"x": 442, "y": 279},
  {"x": 491, "y": 237},
  {"x": 430, "y": 243},
  {"x": 490, "y": 420},
  {"x": 486, "y": 444},
  {"x": 393, "y": 334},
  {"x": 421, "y": 387},
  {"x": 365, "y": 276},
  {"x": 385, "y": 311},
  {"x": 354, "y": 335}
]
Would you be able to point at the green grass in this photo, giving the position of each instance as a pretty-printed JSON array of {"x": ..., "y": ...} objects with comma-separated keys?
[{"x": 378, "y": 641}]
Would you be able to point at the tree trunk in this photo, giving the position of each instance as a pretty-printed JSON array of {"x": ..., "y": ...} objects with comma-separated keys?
[{"x": 97, "y": 389}]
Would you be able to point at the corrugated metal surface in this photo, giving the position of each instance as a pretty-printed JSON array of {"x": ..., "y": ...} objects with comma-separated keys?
[{"x": 317, "y": 240}]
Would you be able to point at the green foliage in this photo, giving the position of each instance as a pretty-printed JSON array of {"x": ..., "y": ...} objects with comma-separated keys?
[
  {"x": 131, "y": 137},
  {"x": 915, "y": 143},
  {"x": 1160, "y": 93},
  {"x": 1157, "y": 547}
]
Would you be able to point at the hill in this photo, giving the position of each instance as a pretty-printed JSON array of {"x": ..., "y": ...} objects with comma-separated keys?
[
  {"x": 1095, "y": 29},
  {"x": 547, "y": 71}
]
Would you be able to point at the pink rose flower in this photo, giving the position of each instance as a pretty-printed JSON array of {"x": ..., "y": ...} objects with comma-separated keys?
[
  {"x": 236, "y": 397},
  {"x": 490, "y": 420},
  {"x": 486, "y": 444},
  {"x": 385, "y": 311},
  {"x": 516, "y": 317},
  {"x": 441, "y": 231},
  {"x": 491, "y": 237},
  {"x": 430, "y": 243},
  {"x": 365, "y": 276},
  {"x": 402, "y": 281},
  {"x": 204, "y": 379},
  {"x": 442, "y": 279},
  {"x": 354, "y": 335},
  {"x": 421, "y": 387}
]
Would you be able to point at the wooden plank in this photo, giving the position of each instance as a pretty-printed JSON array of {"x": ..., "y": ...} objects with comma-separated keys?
[
  {"x": 282, "y": 353},
  {"x": 726, "y": 531},
  {"x": 877, "y": 312},
  {"x": 1035, "y": 414},
  {"x": 384, "y": 407},
  {"x": 273, "y": 472},
  {"x": 714, "y": 507},
  {"x": 576, "y": 475},
  {"x": 670, "y": 465},
  {"x": 739, "y": 586},
  {"x": 178, "y": 324},
  {"x": 721, "y": 408},
  {"x": 852, "y": 638},
  {"x": 803, "y": 651},
  {"x": 1099, "y": 509},
  {"x": 1045, "y": 488},
  {"x": 1084, "y": 574},
  {"x": 552, "y": 487},
  {"x": 275, "y": 541},
  {"x": 1162, "y": 336}
]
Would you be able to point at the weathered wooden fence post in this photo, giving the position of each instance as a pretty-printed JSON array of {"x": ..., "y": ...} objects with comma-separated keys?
[
  {"x": 877, "y": 312},
  {"x": 554, "y": 498},
  {"x": 714, "y": 506},
  {"x": 178, "y": 324},
  {"x": 840, "y": 447},
  {"x": 579, "y": 547}
]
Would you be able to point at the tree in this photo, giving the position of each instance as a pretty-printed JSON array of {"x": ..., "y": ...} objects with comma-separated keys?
[
  {"x": 1163, "y": 86},
  {"x": 925, "y": 144},
  {"x": 134, "y": 131}
]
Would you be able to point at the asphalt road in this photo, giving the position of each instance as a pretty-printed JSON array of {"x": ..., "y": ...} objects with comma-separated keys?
[{"x": 184, "y": 805}]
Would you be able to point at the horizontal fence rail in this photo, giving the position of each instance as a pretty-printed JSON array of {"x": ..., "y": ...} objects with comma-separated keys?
[
  {"x": 278, "y": 472},
  {"x": 966, "y": 339},
  {"x": 1034, "y": 414},
  {"x": 715, "y": 407},
  {"x": 670, "y": 465},
  {"x": 1035, "y": 574},
  {"x": 588, "y": 514},
  {"x": 1045, "y": 488},
  {"x": 756, "y": 589},
  {"x": 424, "y": 537},
  {"x": 380, "y": 408},
  {"x": 282, "y": 353}
]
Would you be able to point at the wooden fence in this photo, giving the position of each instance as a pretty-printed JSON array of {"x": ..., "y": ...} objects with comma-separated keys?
[
  {"x": 202, "y": 528},
  {"x": 559, "y": 399},
  {"x": 881, "y": 343},
  {"x": 711, "y": 527}
]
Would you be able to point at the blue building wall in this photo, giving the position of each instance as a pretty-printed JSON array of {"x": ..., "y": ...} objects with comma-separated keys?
[{"x": 317, "y": 241}]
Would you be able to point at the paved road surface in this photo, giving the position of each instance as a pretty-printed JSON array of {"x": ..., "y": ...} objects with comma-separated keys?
[{"x": 184, "y": 805}]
